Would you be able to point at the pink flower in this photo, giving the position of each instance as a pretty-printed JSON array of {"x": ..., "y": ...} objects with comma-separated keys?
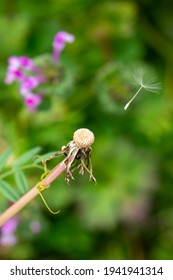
[
  {"x": 32, "y": 101},
  {"x": 13, "y": 70},
  {"x": 17, "y": 71},
  {"x": 29, "y": 83},
  {"x": 10, "y": 226},
  {"x": 16, "y": 67},
  {"x": 28, "y": 64},
  {"x": 7, "y": 237},
  {"x": 13, "y": 63},
  {"x": 23, "y": 70},
  {"x": 14, "y": 75},
  {"x": 60, "y": 39}
]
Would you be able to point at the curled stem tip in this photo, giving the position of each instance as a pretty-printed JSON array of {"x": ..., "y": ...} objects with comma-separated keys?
[{"x": 40, "y": 190}]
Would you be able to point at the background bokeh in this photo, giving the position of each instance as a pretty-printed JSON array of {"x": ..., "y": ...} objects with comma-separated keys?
[{"x": 129, "y": 213}]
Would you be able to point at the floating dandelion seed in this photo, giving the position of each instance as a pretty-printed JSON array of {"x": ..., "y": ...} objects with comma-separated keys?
[{"x": 145, "y": 81}]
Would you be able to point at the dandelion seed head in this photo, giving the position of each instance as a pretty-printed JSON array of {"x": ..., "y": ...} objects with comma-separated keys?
[{"x": 83, "y": 138}]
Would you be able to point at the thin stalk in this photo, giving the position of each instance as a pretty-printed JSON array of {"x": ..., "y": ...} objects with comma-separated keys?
[
  {"x": 127, "y": 105},
  {"x": 31, "y": 194}
]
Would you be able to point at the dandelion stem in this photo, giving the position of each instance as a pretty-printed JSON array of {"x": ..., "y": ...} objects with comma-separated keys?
[
  {"x": 127, "y": 105},
  {"x": 26, "y": 198}
]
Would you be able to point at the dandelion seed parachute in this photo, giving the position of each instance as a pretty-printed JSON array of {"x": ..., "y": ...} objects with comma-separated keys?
[{"x": 145, "y": 81}]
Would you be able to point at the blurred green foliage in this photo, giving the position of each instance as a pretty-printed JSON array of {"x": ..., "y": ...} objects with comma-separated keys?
[{"x": 129, "y": 213}]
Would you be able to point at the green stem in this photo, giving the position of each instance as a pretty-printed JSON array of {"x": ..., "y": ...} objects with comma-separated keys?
[{"x": 32, "y": 193}]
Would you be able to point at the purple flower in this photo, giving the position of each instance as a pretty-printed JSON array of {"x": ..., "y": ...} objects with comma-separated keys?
[
  {"x": 10, "y": 226},
  {"x": 7, "y": 236},
  {"x": 28, "y": 64},
  {"x": 13, "y": 75},
  {"x": 13, "y": 63},
  {"x": 23, "y": 70},
  {"x": 17, "y": 71},
  {"x": 60, "y": 39},
  {"x": 30, "y": 83},
  {"x": 13, "y": 70},
  {"x": 32, "y": 101},
  {"x": 8, "y": 239},
  {"x": 17, "y": 67}
]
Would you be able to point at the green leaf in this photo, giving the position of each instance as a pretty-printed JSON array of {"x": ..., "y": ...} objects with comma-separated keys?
[
  {"x": 8, "y": 191},
  {"x": 21, "y": 181},
  {"x": 26, "y": 157},
  {"x": 4, "y": 156},
  {"x": 44, "y": 156}
]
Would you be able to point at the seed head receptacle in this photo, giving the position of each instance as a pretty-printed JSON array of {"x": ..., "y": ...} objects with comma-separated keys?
[{"x": 83, "y": 137}]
